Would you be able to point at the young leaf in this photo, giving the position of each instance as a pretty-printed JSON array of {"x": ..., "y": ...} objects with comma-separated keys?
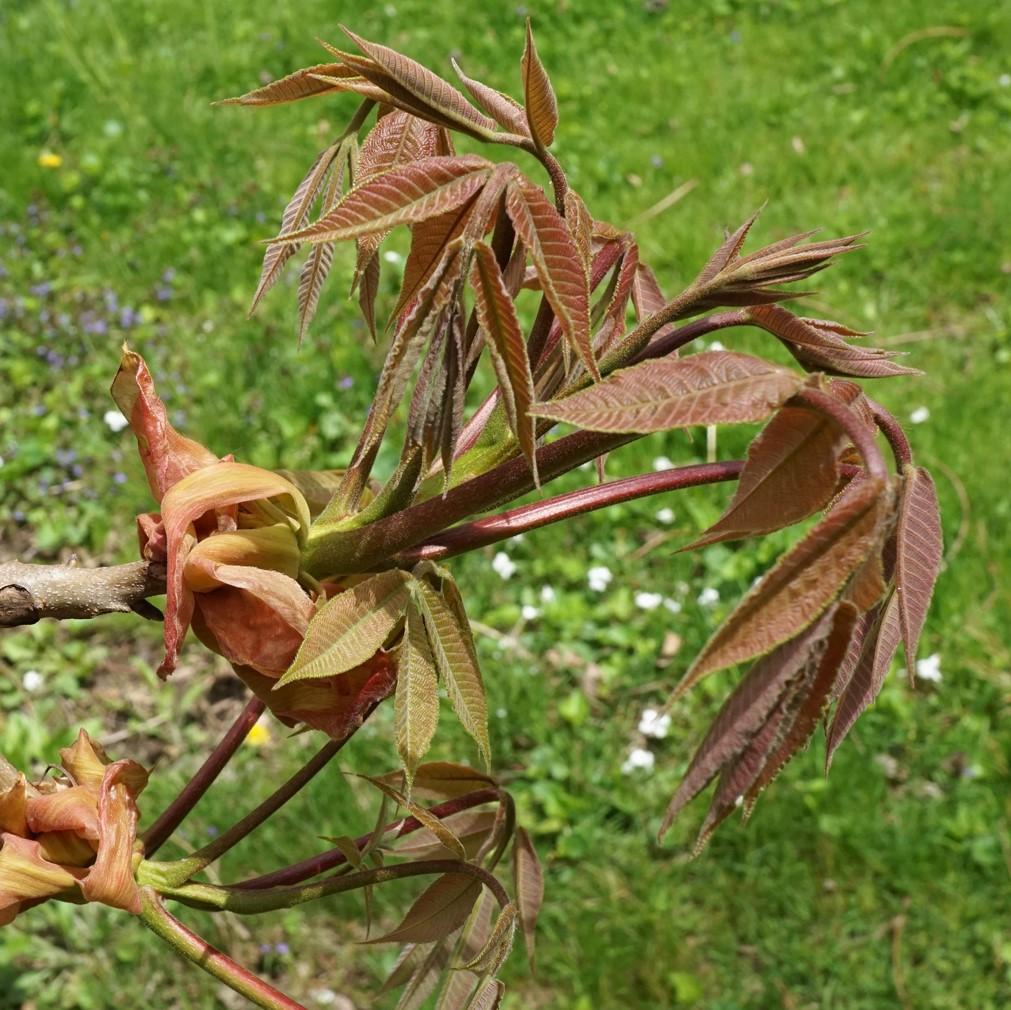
[
  {"x": 441, "y": 831},
  {"x": 745, "y": 711},
  {"x": 429, "y": 241},
  {"x": 310, "y": 283},
  {"x": 471, "y": 827},
  {"x": 416, "y": 703},
  {"x": 405, "y": 195},
  {"x": 919, "y": 547},
  {"x": 444, "y": 780},
  {"x": 368, "y": 291},
  {"x": 304, "y": 83},
  {"x": 405, "y": 78},
  {"x": 528, "y": 879},
  {"x": 490, "y": 958},
  {"x": 497, "y": 317},
  {"x": 813, "y": 698},
  {"x": 728, "y": 251},
  {"x": 791, "y": 472},
  {"x": 294, "y": 216},
  {"x": 459, "y": 985},
  {"x": 442, "y": 908},
  {"x": 558, "y": 263},
  {"x": 455, "y": 659},
  {"x": 713, "y": 387},
  {"x": 539, "y": 96},
  {"x": 800, "y": 586},
  {"x": 506, "y": 111},
  {"x": 580, "y": 225},
  {"x": 350, "y": 628},
  {"x": 878, "y": 650}
]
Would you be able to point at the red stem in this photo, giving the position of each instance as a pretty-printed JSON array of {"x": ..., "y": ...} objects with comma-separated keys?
[
  {"x": 892, "y": 430},
  {"x": 320, "y": 863},
  {"x": 158, "y": 833},
  {"x": 470, "y": 536}
]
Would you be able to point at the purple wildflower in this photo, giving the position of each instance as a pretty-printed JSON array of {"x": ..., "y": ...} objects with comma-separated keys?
[
  {"x": 120, "y": 478},
  {"x": 42, "y": 289},
  {"x": 346, "y": 382}
]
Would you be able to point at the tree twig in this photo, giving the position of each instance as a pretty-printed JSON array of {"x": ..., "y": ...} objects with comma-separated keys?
[{"x": 30, "y": 592}]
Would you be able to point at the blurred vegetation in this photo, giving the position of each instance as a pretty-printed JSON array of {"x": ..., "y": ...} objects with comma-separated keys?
[{"x": 131, "y": 209}]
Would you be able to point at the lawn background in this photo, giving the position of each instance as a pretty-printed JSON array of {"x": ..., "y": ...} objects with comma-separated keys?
[{"x": 885, "y": 886}]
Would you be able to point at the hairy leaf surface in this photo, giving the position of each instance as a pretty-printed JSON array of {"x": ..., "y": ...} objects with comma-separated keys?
[
  {"x": 442, "y": 908},
  {"x": 405, "y": 195},
  {"x": 416, "y": 703},
  {"x": 351, "y": 627},
  {"x": 304, "y": 83},
  {"x": 455, "y": 658},
  {"x": 506, "y": 111},
  {"x": 713, "y": 387},
  {"x": 528, "y": 881},
  {"x": 497, "y": 317},
  {"x": 559, "y": 266},
  {"x": 791, "y": 472},
  {"x": 539, "y": 95},
  {"x": 878, "y": 649},
  {"x": 799, "y": 587},
  {"x": 919, "y": 548},
  {"x": 745, "y": 711}
]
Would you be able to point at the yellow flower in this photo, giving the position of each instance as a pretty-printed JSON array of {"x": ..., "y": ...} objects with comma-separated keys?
[
  {"x": 49, "y": 159},
  {"x": 258, "y": 735}
]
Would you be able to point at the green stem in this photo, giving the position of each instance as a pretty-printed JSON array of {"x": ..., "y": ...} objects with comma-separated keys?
[
  {"x": 210, "y": 897},
  {"x": 194, "y": 948}
]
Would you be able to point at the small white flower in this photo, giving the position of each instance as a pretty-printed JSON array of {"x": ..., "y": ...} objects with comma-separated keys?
[
  {"x": 653, "y": 723},
  {"x": 716, "y": 346},
  {"x": 32, "y": 680},
  {"x": 662, "y": 463},
  {"x": 674, "y": 606},
  {"x": 709, "y": 596},
  {"x": 599, "y": 577},
  {"x": 919, "y": 415},
  {"x": 929, "y": 668},
  {"x": 500, "y": 713},
  {"x": 639, "y": 759},
  {"x": 114, "y": 420},
  {"x": 665, "y": 516},
  {"x": 548, "y": 594},
  {"x": 1004, "y": 80},
  {"x": 648, "y": 601},
  {"x": 503, "y": 565},
  {"x": 392, "y": 256},
  {"x": 1, "y": 461},
  {"x": 530, "y": 613}
]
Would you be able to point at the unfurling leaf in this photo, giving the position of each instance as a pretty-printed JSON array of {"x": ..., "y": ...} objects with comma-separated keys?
[
  {"x": 440, "y": 830},
  {"x": 295, "y": 215},
  {"x": 490, "y": 958},
  {"x": 713, "y": 387},
  {"x": 919, "y": 547},
  {"x": 351, "y": 627},
  {"x": 800, "y": 586},
  {"x": 877, "y": 647},
  {"x": 459, "y": 985},
  {"x": 416, "y": 704},
  {"x": 539, "y": 96},
  {"x": 528, "y": 879},
  {"x": 471, "y": 827},
  {"x": 819, "y": 344},
  {"x": 497, "y": 317},
  {"x": 559, "y": 266},
  {"x": 406, "y": 195},
  {"x": 506, "y": 111},
  {"x": 442, "y": 908},
  {"x": 745, "y": 711},
  {"x": 728, "y": 252},
  {"x": 304, "y": 83},
  {"x": 791, "y": 472},
  {"x": 422, "y": 92},
  {"x": 455, "y": 658}
]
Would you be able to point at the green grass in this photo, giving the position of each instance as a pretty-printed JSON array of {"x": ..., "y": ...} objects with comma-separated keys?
[{"x": 885, "y": 886}]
